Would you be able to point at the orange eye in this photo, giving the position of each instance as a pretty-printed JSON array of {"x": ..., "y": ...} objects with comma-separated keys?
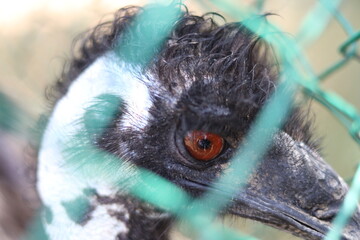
[{"x": 203, "y": 146}]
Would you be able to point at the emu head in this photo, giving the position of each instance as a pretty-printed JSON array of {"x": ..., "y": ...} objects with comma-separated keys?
[{"x": 183, "y": 117}]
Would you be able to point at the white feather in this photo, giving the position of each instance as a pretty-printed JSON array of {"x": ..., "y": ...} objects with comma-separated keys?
[{"x": 56, "y": 184}]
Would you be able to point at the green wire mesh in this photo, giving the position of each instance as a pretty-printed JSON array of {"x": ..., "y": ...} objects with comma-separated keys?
[{"x": 296, "y": 74}]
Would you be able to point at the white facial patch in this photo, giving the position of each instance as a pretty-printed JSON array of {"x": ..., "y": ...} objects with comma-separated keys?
[{"x": 56, "y": 184}]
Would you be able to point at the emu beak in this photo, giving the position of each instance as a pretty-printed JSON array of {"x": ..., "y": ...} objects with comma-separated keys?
[{"x": 295, "y": 190}]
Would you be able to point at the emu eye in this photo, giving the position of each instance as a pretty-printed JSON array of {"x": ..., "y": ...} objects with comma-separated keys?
[{"x": 203, "y": 146}]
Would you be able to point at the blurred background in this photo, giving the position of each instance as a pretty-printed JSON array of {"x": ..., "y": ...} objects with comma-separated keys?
[{"x": 35, "y": 42}]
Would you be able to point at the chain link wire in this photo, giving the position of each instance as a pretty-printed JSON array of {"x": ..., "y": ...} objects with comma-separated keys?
[{"x": 296, "y": 74}]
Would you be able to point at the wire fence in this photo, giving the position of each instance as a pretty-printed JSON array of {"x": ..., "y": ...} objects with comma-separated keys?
[{"x": 296, "y": 75}]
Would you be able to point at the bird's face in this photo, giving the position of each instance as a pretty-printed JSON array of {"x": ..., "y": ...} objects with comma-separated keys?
[
  {"x": 187, "y": 113},
  {"x": 190, "y": 136},
  {"x": 203, "y": 93}
]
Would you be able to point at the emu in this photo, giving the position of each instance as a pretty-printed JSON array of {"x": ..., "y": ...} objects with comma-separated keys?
[{"x": 182, "y": 117}]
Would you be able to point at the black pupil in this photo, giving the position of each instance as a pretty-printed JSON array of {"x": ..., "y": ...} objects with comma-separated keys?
[{"x": 204, "y": 144}]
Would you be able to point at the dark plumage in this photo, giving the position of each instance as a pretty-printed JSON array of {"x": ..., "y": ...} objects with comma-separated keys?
[{"x": 214, "y": 79}]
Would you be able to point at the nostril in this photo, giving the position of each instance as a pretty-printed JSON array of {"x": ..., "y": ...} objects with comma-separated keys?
[{"x": 325, "y": 214}]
